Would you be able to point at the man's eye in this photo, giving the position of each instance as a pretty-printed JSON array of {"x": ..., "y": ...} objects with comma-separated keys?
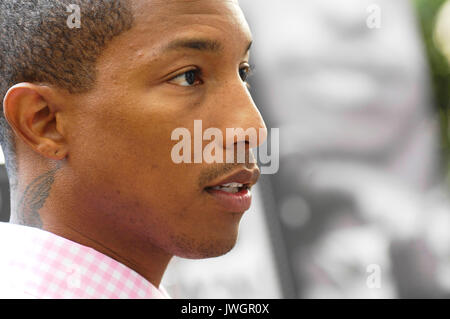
[
  {"x": 245, "y": 72},
  {"x": 189, "y": 78}
]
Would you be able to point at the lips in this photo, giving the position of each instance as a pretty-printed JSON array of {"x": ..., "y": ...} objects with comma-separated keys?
[{"x": 233, "y": 192}]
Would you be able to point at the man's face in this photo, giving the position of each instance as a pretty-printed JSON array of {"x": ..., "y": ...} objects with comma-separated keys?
[{"x": 182, "y": 61}]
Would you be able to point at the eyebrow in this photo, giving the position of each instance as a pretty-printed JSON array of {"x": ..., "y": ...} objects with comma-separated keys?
[
  {"x": 249, "y": 46},
  {"x": 205, "y": 45}
]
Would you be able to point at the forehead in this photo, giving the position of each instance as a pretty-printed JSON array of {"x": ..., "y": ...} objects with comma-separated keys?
[
  {"x": 163, "y": 18},
  {"x": 182, "y": 6}
]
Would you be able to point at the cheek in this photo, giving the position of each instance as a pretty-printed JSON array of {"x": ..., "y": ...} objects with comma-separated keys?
[{"x": 128, "y": 158}]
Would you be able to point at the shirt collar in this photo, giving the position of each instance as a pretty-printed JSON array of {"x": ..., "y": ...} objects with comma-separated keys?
[{"x": 43, "y": 265}]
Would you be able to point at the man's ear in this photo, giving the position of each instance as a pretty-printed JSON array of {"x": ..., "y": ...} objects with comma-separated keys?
[{"x": 30, "y": 113}]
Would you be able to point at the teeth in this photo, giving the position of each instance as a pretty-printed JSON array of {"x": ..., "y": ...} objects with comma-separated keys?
[
  {"x": 229, "y": 188},
  {"x": 232, "y": 185}
]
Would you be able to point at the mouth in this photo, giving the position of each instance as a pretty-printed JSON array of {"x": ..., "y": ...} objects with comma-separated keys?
[{"x": 234, "y": 192}]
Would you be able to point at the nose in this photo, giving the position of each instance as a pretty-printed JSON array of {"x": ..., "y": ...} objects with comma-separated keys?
[{"x": 242, "y": 119}]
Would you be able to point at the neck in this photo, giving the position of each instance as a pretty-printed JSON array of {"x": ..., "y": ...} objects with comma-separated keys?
[
  {"x": 42, "y": 201},
  {"x": 27, "y": 202}
]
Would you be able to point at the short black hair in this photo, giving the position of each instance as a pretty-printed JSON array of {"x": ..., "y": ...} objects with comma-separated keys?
[{"x": 38, "y": 46}]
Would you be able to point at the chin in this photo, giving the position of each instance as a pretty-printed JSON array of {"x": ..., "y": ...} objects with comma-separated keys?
[{"x": 205, "y": 247}]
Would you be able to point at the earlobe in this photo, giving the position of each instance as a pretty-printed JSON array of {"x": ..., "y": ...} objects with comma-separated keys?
[{"x": 29, "y": 113}]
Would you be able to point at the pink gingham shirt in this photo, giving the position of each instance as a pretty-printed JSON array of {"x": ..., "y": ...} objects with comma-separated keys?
[{"x": 38, "y": 264}]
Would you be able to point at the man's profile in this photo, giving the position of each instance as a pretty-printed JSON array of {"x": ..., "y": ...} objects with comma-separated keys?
[{"x": 98, "y": 208}]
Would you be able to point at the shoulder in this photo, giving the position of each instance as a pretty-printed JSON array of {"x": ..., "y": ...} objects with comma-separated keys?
[{"x": 16, "y": 246}]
